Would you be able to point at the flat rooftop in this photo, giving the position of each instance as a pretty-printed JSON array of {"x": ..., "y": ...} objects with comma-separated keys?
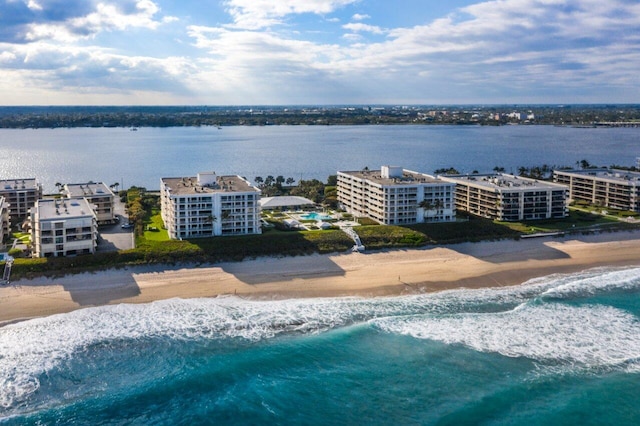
[
  {"x": 12, "y": 184},
  {"x": 190, "y": 185},
  {"x": 610, "y": 174},
  {"x": 499, "y": 181},
  {"x": 408, "y": 177},
  {"x": 64, "y": 209},
  {"x": 90, "y": 189}
]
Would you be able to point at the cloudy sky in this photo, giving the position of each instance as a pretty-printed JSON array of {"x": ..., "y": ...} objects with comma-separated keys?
[{"x": 233, "y": 52}]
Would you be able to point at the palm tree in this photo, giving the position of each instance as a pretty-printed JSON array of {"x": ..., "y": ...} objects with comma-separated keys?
[
  {"x": 522, "y": 171},
  {"x": 210, "y": 219},
  {"x": 290, "y": 181},
  {"x": 438, "y": 205},
  {"x": 428, "y": 206}
]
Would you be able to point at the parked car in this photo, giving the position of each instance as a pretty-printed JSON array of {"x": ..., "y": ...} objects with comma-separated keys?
[{"x": 127, "y": 225}]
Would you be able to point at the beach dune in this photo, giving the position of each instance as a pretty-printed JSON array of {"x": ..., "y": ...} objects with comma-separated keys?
[{"x": 381, "y": 273}]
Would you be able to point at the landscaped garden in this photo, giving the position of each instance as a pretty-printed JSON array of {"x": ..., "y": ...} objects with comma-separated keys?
[{"x": 154, "y": 247}]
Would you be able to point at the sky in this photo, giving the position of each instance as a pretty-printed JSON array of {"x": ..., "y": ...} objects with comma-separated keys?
[{"x": 318, "y": 52}]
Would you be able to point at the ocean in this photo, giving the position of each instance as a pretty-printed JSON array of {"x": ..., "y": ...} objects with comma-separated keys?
[
  {"x": 141, "y": 158},
  {"x": 560, "y": 349}
]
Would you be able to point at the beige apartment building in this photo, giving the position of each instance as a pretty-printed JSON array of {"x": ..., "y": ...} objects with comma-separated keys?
[
  {"x": 63, "y": 227},
  {"x": 509, "y": 198},
  {"x": 5, "y": 221},
  {"x": 612, "y": 188},
  {"x": 98, "y": 195},
  {"x": 209, "y": 205},
  {"x": 20, "y": 195},
  {"x": 395, "y": 196}
]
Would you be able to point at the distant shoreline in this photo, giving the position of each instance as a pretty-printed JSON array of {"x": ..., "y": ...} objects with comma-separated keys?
[
  {"x": 34, "y": 117},
  {"x": 382, "y": 273}
]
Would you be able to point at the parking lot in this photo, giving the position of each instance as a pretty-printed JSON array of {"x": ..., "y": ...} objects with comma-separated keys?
[{"x": 115, "y": 237}]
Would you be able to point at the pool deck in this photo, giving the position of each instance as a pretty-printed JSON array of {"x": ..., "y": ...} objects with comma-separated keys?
[{"x": 335, "y": 219}]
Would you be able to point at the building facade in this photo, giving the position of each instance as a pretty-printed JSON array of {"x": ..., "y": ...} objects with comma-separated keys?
[
  {"x": 209, "y": 205},
  {"x": 61, "y": 227},
  {"x": 21, "y": 195},
  {"x": 98, "y": 195},
  {"x": 5, "y": 221},
  {"x": 395, "y": 196},
  {"x": 615, "y": 189},
  {"x": 509, "y": 198}
]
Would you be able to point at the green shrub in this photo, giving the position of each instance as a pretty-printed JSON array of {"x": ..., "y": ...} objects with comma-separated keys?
[{"x": 15, "y": 252}]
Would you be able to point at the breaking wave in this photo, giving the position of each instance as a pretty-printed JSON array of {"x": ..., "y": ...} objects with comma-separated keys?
[{"x": 520, "y": 321}]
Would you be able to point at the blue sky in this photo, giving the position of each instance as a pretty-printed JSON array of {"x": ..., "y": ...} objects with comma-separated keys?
[{"x": 251, "y": 52}]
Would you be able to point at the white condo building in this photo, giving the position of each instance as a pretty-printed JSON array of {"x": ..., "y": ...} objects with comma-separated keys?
[
  {"x": 395, "y": 196},
  {"x": 61, "y": 227},
  {"x": 98, "y": 195},
  {"x": 509, "y": 198},
  {"x": 612, "y": 188},
  {"x": 209, "y": 205}
]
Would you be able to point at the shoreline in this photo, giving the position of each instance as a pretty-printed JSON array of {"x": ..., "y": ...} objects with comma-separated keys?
[{"x": 373, "y": 274}]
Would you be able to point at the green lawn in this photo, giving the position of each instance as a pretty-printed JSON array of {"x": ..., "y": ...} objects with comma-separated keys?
[
  {"x": 577, "y": 220},
  {"x": 156, "y": 222}
]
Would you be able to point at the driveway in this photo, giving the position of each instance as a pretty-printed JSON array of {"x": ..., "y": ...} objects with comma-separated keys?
[{"x": 113, "y": 237}]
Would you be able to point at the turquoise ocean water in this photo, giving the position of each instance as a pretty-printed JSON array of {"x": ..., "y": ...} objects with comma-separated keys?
[{"x": 562, "y": 349}]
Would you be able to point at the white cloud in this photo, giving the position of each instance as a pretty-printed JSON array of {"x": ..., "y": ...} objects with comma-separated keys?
[
  {"x": 257, "y": 14},
  {"x": 358, "y": 27},
  {"x": 511, "y": 50},
  {"x": 7, "y": 57},
  {"x": 359, "y": 17},
  {"x": 515, "y": 47},
  {"x": 352, "y": 38},
  {"x": 34, "y": 5},
  {"x": 101, "y": 17}
]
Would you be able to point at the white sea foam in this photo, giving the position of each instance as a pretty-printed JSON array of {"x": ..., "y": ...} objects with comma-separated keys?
[
  {"x": 31, "y": 349},
  {"x": 591, "y": 336},
  {"x": 595, "y": 281}
]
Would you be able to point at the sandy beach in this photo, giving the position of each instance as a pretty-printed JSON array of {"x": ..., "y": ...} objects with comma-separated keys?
[{"x": 393, "y": 272}]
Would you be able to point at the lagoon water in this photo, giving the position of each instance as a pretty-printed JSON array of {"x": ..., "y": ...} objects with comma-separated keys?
[
  {"x": 562, "y": 349},
  {"x": 142, "y": 157}
]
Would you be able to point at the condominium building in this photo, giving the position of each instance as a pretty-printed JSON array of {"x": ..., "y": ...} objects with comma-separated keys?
[
  {"x": 209, "y": 205},
  {"x": 98, "y": 195},
  {"x": 21, "y": 195},
  {"x": 5, "y": 221},
  {"x": 61, "y": 227},
  {"x": 509, "y": 198},
  {"x": 612, "y": 188},
  {"x": 395, "y": 196}
]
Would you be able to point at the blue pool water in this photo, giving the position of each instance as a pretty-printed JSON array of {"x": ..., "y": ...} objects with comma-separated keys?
[{"x": 316, "y": 216}]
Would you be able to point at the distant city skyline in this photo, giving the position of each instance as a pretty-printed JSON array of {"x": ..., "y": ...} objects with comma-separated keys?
[{"x": 295, "y": 52}]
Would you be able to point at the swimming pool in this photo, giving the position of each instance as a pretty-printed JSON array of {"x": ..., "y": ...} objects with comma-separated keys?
[{"x": 315, "y": 216}]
